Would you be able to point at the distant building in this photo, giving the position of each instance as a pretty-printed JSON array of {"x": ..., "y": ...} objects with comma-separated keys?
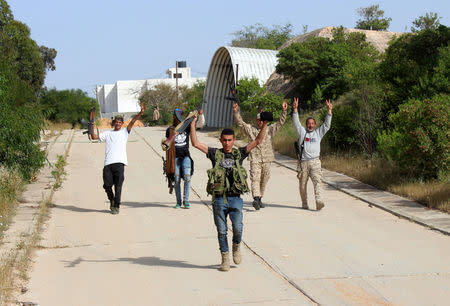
[
  {"x": 228, "y": 65},
  {"x": 122, "y": 97}
]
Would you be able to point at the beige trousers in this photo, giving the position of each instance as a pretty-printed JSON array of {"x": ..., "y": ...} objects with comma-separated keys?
[
  {"x": 310, "y": 169},
  {"x": 259, "y": 176}
]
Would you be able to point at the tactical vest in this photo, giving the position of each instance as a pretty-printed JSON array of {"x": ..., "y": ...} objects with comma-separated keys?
[{"x": 218, "y": 182}]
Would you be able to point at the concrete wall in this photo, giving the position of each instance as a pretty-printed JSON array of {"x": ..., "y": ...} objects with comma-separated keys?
[
  {"x": 128, "y": 93},
  {"x": 123, "y": 97},
  {"x": 186, "y": 72},
  {"x": 110, "y": 98}
]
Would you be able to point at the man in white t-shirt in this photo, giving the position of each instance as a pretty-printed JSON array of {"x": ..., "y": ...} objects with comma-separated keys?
[{"x": 115, "y": 158}]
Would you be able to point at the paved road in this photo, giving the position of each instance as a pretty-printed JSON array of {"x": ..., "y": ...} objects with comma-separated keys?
[{"x": 152, "y": 254}]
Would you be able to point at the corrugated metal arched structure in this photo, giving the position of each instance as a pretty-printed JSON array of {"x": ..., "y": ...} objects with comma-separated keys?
[{"x": 222, "y": 77}]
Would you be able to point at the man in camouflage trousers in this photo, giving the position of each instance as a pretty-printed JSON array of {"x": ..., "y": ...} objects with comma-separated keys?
[
  {"x": 262, "y": 156},
  {"x": 309, "y": 165}
]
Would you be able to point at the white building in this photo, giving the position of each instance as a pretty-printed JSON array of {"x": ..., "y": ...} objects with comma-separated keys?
[{"x": 122, "y": 97}]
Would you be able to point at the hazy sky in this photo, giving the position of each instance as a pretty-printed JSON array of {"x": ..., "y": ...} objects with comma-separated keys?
[{"x": 101, "y": 41}]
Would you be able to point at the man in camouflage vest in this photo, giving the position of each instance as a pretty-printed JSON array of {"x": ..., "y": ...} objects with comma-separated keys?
[
  {"x": 226, "y": 182},
  {"x": 262, "y": 156}
]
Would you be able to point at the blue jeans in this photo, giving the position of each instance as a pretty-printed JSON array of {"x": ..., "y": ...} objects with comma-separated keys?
[
  {"x": 221, "y": 210},
  {"x": 185, "y": 164}
]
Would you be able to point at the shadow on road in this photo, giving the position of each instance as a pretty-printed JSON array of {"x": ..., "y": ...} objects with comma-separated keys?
[
  {"x": 145, "y": 204},
  {"x": 145, "y": 261},
  {"x": 156, "y": 204},
  {"x": 249, "y": 207},
  {"x": 80, "y": 209}
]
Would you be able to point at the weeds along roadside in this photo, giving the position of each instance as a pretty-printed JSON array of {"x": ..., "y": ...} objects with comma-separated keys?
[
  {"x": 11, "y": 187},
  {"x": 15, "y": 265}
]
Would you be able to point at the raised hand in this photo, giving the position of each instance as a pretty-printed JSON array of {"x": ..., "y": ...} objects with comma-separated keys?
[
  {"x": 329, "y": 105},
  {"x": 194, "y": 121},
  {"x": 235, "y": 107},
  {"x": 295, "y": 105},
  {"x": 284, "y": 105}
]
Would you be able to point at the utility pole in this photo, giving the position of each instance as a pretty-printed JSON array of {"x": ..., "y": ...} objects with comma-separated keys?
[{"x": 176, "y": 79}]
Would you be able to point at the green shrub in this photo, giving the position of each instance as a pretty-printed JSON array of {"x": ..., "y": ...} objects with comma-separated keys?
[
  {"x": 420, "y": 140},
  {"x": 21, "y": 121},
  {"x": 10, "y": 187},
  {"x": 416, "y": 65},
  {"x": 67, "y": 105},
  {"x": 342, "y": 134},
  {"x": 254, "y": 97},
  {"x": 321, "y": 68}
]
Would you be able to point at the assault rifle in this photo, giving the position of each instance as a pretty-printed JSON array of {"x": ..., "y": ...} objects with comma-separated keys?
[
  {"x": 91, "y": 122},
  {"x": 232, "y": 86},
  {"x": 182, "y": 126}
]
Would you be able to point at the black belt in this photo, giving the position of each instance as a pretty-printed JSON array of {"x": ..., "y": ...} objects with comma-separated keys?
[{"x": 229, "y": 194}]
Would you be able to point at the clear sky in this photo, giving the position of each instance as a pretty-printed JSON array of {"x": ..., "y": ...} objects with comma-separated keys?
[{"x": 100, "y": 42}]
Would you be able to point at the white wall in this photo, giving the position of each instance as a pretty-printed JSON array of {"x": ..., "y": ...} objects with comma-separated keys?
[
  {"x": 110, "y": 98},
  {"x": 186, "y": 72},
  {"x": 123, "y": 97},
  {"x": 128, "y": 93}
]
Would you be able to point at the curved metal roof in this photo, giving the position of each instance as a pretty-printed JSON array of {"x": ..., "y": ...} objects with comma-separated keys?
[{"x": 222, "y": 75}]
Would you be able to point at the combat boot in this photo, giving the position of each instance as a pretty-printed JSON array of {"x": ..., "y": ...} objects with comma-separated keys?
[
  {"x": 237, "y": 253},
  {"x": 225, "y": 265},
  {"x": 319, "y": 205},
  {"x": 261, "y": 204},
  {"x": 256, "y": 203}
]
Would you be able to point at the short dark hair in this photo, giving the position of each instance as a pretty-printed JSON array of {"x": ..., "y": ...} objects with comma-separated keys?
[
  {"x": 227, "y": 132},
  {"x": 310, "y": 118},
  {"x": 118, "y": 118}
]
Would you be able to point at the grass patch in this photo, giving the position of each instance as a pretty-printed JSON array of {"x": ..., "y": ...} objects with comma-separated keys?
[
  {"x": 384, "y": 175},
  {"x": 11, "y": 187},
  {"x": 434, "y": 194},
  {"x": 14, "y": 266},
  {"x": 284, "y": 140},
  {"x": 58, "y": 171},
  {"x": 373, "y": 171}
]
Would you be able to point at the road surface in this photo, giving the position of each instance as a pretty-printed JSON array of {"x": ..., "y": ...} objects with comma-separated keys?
[{"x": 153, "y": 254}]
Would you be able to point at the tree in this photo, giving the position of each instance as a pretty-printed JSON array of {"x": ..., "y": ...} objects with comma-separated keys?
[
  {"x": 323, "y": 68},
  {"x": 6, "y": 15},
  {"x": 48, "y": 56},
  {"x": 165, "y": 97},
  {"x": 372, "y": 19},
  {"x": 258, "y": 36},
  {"x": 255, "y": 98},
  {"x": 18, "y": 48},
  {"x": 429, "y": 21},
  {"x": 416, "y": 66},
  {"x": 21, "y": 123},
  {"x": 67, "y": 105},
  {"x": 193, "y": 96}
]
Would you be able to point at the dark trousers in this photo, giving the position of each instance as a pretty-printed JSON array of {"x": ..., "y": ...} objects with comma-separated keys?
[{"x": 113, "y": 175}]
